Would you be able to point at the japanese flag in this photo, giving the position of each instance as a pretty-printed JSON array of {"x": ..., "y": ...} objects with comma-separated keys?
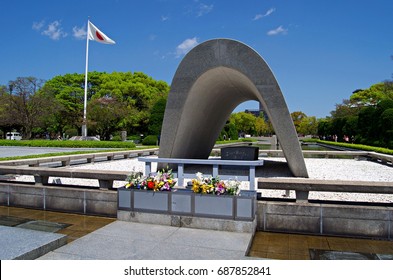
[{"x": 97, "y": 35}]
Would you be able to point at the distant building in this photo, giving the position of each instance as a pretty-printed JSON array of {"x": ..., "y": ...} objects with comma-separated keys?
[{"x": 257, "y": 113}]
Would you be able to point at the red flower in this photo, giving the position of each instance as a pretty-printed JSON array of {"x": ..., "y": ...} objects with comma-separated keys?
[{"x": 150, "y": 185}]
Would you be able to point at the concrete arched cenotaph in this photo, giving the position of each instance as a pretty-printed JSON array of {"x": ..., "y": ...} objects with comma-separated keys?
[{"x": 210, "y": 82}]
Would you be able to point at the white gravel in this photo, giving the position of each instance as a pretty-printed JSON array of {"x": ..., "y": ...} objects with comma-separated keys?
[{"x": 328, "y": 169}]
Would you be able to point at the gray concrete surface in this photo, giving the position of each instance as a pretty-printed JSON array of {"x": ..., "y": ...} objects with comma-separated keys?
[
  {"x": 59, "y": 198},
  {"x": 27, "y": 244},
  {"x": 361, "y": 221},
  {"x": 135, "y": 241}
]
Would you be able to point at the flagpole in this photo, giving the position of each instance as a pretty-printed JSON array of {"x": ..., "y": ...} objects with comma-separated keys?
[{"x": 84, "y": 123}]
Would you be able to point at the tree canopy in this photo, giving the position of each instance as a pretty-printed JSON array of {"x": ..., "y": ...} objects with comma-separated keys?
[
  {"x": 115, "y": 101},
  {"x": 135, "y": 102},
  {"x": 365, "y": 118}
]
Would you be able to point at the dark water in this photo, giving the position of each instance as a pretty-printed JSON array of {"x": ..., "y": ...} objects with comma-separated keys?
[
  {"x": 308, "y": 147},
  {"x": 305, "y": 147}
]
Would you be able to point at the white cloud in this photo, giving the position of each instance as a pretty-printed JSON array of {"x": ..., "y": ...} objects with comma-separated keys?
[
  {"x": 268, "y": 13},
  {"x": 79, "y": 32},
  {"x": 186, "y": 46},
  {"x": 54, "y": 31},
  {"x": 277, "y": 31},
  {"x": 258, "y": 16},
  {"x": 38, "y": 25},
  {"x": 164, "y": 18},
  {"x": 204, "y": 9}
]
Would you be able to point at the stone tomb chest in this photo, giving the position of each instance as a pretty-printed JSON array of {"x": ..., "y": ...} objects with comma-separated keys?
[{"x": 240, "y": 153}]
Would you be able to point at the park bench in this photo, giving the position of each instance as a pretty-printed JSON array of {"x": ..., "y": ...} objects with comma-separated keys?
[
  {"x": 42, "y": 174},
  {"x": 303, "y": 186}
]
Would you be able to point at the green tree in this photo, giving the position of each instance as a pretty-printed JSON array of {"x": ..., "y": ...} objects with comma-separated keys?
[
  {"x": 68, "y": 90},
  {"x": 6, "y": 119},
  {"x": 229, "y": 132},
  {"x": 345, "y": 109},
  {"x": 244, "y": 122},
  {"x": 351, "y": 126},
  {"x": 383, "y": 114},
  {"x": 308, "y": 126},
  {"x": 387, "y": 120},
  {"x": 136, "y": 92},
  {"x": 261, "y": 127},
  {"x": 325, "y": 128},
  {"x": 104, "y": 115},
  {"x": 139, "y": 92},
  {"x": 367, "y": 130},
  {"x": 373, "y": 95},
  {"x": 157, "y": 116},
  {"x": 28, "y": 108},
  {"x": 297, "y": 118}
]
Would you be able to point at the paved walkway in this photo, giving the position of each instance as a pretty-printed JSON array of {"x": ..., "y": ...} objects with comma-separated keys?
[
  {"x": 27, "y": 244},
  {"x": 89, "y": 237},
  {"x": 134, "y": 241},
  {"x": 31, "y": 234}
]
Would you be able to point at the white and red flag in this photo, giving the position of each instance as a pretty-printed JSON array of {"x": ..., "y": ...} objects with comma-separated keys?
[{"x": 95, "y": 34}]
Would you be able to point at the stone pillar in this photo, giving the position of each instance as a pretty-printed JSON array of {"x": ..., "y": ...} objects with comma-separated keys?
[{"x": 123, "y": 135}]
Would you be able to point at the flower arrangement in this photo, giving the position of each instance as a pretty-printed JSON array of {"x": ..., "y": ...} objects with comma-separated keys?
[
  {"x": 134, "y": 180},
  {"x": 161, "y": 181},
  {"x": 213, "y": 185}
]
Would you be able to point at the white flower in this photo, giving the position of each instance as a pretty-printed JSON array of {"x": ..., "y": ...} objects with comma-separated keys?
[{"x": 199, "y": 176}]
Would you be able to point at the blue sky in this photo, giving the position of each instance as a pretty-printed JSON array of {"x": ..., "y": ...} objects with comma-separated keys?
[{"x": 319, "y": 51}]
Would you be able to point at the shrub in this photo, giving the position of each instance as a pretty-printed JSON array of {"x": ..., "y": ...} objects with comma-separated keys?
[
  {"x": 248, "y": 140},
  {"x": 134, "y": 138},
  {"x": 71, "y": 132},
  {"x": 359, "y": 147},
  {"x": 116, "y": 138},
  {"x": 150, "y": 140},
  {"x": 68, "y": 144}
]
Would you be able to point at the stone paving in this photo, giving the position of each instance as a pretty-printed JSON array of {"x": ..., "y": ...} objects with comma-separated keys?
[
  {"x": 135, "y": 241},
  {"x": 305, "y": 247},
  {"x": 91, "y": 237},
  {"x": 26, "y": 244}
]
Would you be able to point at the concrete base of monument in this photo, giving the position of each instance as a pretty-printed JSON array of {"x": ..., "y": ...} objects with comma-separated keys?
[{"x": 188, "y": 221}]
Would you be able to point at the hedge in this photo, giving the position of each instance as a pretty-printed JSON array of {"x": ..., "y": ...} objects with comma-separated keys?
[
  {"x": 247, "y": 140},
  {"x": 353, "y": 146},
  {"x": 69, "y": 144}
]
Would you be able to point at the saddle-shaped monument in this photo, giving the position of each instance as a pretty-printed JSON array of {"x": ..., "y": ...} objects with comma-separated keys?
[{"x": 210, "y": 82}]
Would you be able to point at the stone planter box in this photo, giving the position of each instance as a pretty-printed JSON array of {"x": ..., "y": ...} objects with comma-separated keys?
[
  {"x": 151, "y": 201},
  {"x": 181, "y": 202},
  {"x": 214, "y": 206},
  {"x": 184, "y": 202},
  {"x": 141, "y": 200}
]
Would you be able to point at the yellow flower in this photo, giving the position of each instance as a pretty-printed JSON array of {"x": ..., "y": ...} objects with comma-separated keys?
[
  {"x": 195, "y": 186},
  {"x": 205, "y": 188}
]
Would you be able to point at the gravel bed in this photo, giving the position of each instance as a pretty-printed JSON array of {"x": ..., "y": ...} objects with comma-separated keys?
[{"x": 328, "y": 169}]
